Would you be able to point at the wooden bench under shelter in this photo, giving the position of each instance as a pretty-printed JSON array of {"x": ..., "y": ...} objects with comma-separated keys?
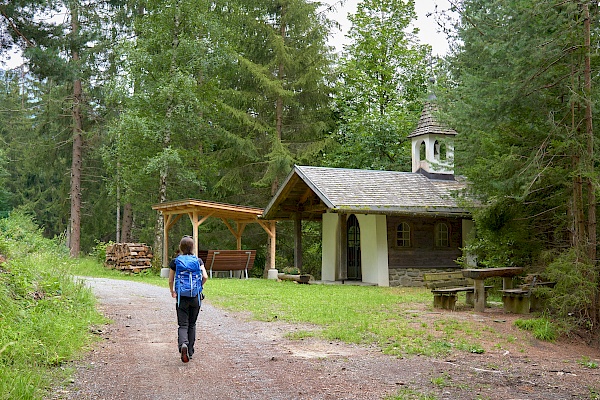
[
  {"x": 523, "y": 300},
  {"x": 229, "y": 260},
  {"x": 446, "y": 286},
  {"x": 235, "y": 218}
]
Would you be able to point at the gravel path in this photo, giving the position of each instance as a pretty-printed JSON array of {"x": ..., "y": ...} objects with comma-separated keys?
[{"x": 240, "y": 359}]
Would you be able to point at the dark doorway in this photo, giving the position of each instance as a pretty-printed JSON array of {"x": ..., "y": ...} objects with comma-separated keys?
[{"x": 354, "y": 265}]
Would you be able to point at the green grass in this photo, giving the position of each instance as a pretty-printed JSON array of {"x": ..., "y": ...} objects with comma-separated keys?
[
  {"x": 385, "y": 317},
  {"x": 45, "y": 316},
  {"x": 541, "y": 328},
  {"x": 588, "y": 362},
  {"x": 410, "y": 394}
]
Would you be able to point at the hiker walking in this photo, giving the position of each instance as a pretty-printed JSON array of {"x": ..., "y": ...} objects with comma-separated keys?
[{"x": 186, "y": 279}]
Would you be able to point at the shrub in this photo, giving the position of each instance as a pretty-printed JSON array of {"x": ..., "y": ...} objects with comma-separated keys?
[{"x": 576, "y": 288}]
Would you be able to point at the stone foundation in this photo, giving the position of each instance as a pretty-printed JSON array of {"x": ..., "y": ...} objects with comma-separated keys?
[{"x": 414, "y": 276}]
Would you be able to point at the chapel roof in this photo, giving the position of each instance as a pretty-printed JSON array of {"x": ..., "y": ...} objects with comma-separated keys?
[{"x": 312, "y": 191}]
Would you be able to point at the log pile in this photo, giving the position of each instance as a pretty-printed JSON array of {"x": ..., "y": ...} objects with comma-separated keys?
[{"x": 133, "y": 257}]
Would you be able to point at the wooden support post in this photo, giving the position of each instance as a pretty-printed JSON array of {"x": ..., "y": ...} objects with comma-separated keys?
[
  {"x": 165, "y": 260},
  {"x": 298, "y": 242},
  {"x": 273, "y": 244},
  {"x": 195, "y": 231}
]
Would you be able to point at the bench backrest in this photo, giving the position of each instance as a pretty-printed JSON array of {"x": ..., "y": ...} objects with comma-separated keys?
[
  {"x": 437, "y": 280},
  {"x": 229, "y": 260}
]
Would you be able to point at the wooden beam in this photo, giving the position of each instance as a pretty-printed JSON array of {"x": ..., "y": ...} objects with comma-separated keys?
[
  {"x": 171, "y": 219},
  {"x": 307, "y": 193}
]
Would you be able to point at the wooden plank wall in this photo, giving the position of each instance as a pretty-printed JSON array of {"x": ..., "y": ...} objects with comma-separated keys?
[{"x": 423, "y": 253}]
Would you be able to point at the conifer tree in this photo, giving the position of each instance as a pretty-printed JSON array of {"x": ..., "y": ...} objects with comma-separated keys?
[{"x": 526, "y": 80}]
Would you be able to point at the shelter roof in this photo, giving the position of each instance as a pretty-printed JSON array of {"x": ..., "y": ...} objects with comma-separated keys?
[
  {"x": 210, "y": 208},
  {"x": 429, "y": 125},
  {"x": 312, "y": 191}
]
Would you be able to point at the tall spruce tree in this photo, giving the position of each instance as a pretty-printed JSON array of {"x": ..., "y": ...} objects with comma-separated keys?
[
  {"x": 276, "y": 90},
  {"x": 65, "y": 50},
  {"x": 277, "y": 93},
  {"x": 526, "y": 81}
]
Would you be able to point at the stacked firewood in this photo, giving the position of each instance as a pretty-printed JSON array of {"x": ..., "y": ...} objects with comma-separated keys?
[{"x": 128, "y": 256}]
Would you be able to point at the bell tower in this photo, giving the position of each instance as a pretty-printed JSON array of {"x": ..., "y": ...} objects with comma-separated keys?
[{"x": 432, "y": 146}]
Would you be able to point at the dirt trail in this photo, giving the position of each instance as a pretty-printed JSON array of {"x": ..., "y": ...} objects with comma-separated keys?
[{"x": 240, "y": 359}]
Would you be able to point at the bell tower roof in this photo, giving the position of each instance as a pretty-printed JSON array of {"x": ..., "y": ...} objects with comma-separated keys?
[
  {"x": 432, "y": 146},
  {"x": 428, "y": 124}
]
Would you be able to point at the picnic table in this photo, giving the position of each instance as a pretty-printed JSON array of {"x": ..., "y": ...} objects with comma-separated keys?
[{"x": 479, "y": 275}]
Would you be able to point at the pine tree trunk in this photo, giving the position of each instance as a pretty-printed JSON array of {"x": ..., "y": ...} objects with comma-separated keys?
[
  {"x": 127, "y": 223},
  {"x": 118, "y": 224},
  {"x": 591, "y": 189},
  {"x": 590, "y": 138},
  {"x": 76, "y": 164}
]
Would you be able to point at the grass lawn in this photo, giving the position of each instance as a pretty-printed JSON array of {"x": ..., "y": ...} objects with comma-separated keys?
[{"x": 398, "y": 320}]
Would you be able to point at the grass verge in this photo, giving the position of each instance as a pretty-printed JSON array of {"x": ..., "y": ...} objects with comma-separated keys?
[{"x": 45, "y": 315}]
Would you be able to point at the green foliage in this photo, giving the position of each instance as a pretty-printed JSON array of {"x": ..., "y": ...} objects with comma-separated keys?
[
  {"x": 46, "y": 314},
  {"x": 575, "y": 289},
  {"x": 541, "y": 328},
  {"x": 4, "y": 193},
  {"x": 503, "y": 236},
  {"x": 20, "y": 236},
  {"x": 99, "y": 251},
  {"x": 381, "y": 88},
  {"x": 588, "y": 362}
]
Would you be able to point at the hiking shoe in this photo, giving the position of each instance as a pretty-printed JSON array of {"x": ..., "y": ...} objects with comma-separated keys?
[{"x": 184, "y": 353}]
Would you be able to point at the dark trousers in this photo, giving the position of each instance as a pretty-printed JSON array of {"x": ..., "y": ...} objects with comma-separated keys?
[{"x": 187, "y": 314}]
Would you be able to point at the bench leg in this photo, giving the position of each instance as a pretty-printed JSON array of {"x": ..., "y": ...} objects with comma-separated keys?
[
  {"x": 446, "y": 302},
  {"x": 470, "y": 298},
  {"x": 516, "y": 304}
]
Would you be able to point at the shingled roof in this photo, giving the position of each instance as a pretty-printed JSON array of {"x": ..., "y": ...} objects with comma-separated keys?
[
  {"x": 428, "y": 124},
  {"x": 312, "y": 191}
]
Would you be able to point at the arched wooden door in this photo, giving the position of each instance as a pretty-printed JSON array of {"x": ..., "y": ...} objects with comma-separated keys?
[{"x": 353, "y": 249}]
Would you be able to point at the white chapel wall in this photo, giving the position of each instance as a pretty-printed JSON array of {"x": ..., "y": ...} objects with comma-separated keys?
[{"x": 373, "y": 248}]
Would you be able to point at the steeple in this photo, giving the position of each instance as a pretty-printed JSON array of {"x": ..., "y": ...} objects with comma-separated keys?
[{"x": 432, "y": 146}]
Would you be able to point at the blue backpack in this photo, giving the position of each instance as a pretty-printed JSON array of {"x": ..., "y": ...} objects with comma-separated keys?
[{"x": 188, "y": 276}]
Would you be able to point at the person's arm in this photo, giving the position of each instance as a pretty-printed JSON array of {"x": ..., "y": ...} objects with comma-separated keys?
[
  {"x": 204, "y": 274},
  {"x": 171, "y": 282}
]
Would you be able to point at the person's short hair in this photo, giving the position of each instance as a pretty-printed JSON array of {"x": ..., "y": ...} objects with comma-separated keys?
[{"x": 186, "y": 245}]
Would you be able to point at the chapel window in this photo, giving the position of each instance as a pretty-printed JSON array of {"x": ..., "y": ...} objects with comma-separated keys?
[
  {"x": 403, "y": 235},
  {"x": 442, "y": 235}
]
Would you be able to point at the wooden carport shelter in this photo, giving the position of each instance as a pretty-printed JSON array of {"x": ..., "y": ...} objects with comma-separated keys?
[{"x": 199, "y": 211}]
